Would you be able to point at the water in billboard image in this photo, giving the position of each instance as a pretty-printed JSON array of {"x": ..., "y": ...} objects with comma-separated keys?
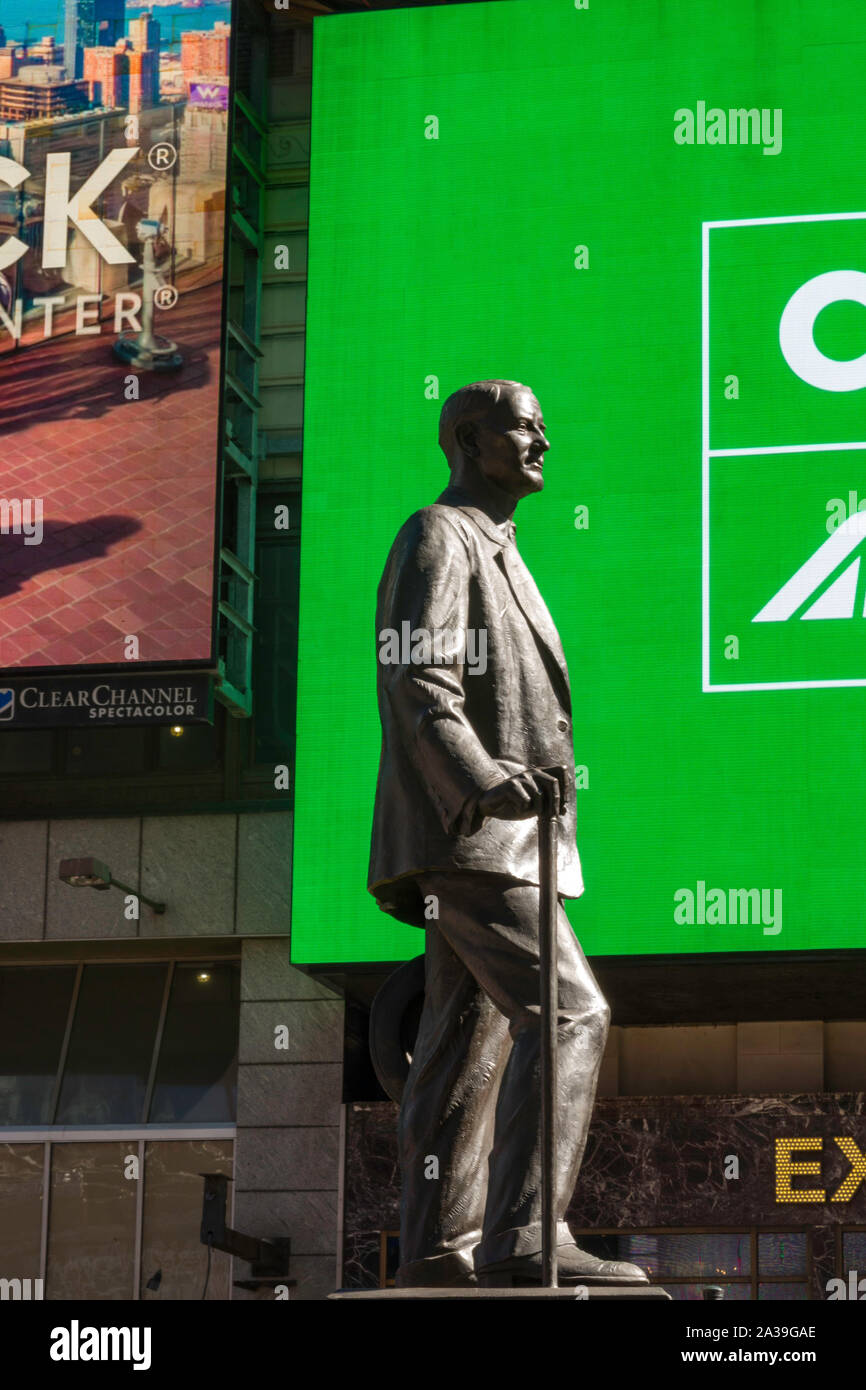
[
  {"x": 642, "y": 212},
  {"x": 113, "y": 148}
]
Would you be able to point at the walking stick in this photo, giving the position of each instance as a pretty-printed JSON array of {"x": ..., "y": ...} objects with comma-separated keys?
[{"x": 548, "y": 905}]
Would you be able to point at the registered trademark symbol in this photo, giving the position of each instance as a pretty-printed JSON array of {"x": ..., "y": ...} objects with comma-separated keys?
[
  {"x": 162, "y": 156},
  {"x": 165, "y": 296}
]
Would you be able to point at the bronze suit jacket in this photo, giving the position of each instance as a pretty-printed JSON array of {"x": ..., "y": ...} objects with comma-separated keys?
[{"x": 450, "y": 731}]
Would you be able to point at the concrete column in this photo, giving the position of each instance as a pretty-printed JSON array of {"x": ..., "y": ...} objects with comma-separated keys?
[{"x": 290, "y": 1068}]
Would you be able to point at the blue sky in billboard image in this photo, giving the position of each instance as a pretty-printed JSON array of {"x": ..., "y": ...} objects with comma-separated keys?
[{"x": 46, "y": 17}]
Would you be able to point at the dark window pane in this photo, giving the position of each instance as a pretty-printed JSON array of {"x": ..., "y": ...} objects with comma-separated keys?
[
  {"x": 91, "y": 1229},
  {"x": 854, "y": 1251},
  {"x": 112, "y": 1045},
  {"x": 782, "y": 1293},
  {"x": 692, "y": 1293},
  {"x": 781, "y": 1253},
  {"x": 21, "y": 1197},
  {"x": 703, "y": 1255},
  {"x": 26, "y": 750},
  {"x": 171, "y": 1225},
  {"x": 275, "y": 649},
  {"x": 106, "y": 752},
  {"x": 34, "y": 1006},
  {"x": 197, "y": 749},
  {"x": 196, "y": 1078}
]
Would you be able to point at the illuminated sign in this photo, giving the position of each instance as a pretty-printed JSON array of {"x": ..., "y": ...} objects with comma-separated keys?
[
  {"x": 108, "y": 701},
  {"x": 112, "y": 229},
  {"x": 650, "y": 218},
  {"x": 211, "y": 95}
]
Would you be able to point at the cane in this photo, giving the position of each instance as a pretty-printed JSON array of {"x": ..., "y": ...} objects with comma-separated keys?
[{"x": 548, "y": 905}]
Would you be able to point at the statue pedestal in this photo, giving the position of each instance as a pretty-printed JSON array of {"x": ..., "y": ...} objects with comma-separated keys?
[{"x": 635, "y": 1293}]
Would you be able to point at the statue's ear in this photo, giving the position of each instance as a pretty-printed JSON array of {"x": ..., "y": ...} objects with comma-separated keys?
[{"x": 466, "y": 435}]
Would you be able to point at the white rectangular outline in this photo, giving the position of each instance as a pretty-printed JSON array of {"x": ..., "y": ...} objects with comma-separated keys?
[{"x": 707, "y": 453}]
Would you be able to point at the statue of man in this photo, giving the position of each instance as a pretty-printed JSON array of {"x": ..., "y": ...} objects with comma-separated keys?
[{"x": 475, "y": 704}]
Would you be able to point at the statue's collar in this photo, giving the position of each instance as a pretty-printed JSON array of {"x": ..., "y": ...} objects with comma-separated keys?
[{"x": 495, "y": 526}]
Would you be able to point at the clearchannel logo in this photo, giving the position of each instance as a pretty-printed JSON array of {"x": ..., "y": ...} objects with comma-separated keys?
[
  {"x": 7, "y": 704},
  {"x": 784, "y": 386}
]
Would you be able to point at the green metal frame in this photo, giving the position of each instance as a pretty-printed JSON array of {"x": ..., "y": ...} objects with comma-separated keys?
[{"x": 236, "y": 573}]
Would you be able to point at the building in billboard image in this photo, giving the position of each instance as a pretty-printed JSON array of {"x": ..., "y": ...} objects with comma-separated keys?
[{"x": 246, "y": 254}]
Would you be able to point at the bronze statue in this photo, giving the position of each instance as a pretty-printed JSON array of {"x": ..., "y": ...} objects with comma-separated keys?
[{"x": 475, "y": 705}]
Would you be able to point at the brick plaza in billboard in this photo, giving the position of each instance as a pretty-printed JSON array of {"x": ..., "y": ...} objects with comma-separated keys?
[{"x": 128, "y": 496}]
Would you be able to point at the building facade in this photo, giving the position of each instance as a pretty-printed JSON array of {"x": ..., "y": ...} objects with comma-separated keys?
[{"x": 139, "y": 1051}]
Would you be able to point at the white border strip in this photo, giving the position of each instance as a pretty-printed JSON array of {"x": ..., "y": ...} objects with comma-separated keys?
[
  {"x": 783, "y": 449},
  {"x": 777, "y": 221},
  {"x": 58, "y": 1135}
]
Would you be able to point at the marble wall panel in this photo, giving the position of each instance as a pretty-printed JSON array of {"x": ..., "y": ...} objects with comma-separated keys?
[{"x": 650, "y": 1162}]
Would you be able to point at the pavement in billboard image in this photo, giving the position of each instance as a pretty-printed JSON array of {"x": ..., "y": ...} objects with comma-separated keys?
[{"x": 127, "y": 490}]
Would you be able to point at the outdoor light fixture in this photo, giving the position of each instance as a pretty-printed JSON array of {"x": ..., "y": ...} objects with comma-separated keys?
[
  {"x": 176, "y": 730},
  {"x": 92, "y": 873},
  {"x": 203, "y": 977}
]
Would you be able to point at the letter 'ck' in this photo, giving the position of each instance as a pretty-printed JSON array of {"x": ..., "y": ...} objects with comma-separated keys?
[{"x": 60, "y": 209}]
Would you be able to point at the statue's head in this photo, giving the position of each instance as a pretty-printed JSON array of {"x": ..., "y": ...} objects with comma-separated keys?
[{"x": 494, "y": 430}]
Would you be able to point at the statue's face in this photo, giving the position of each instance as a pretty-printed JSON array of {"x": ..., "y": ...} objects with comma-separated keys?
[{"x": 512, "y": 443}]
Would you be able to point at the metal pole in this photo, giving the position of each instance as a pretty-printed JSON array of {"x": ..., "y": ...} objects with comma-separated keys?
[{"x": 549, "y": 1010}]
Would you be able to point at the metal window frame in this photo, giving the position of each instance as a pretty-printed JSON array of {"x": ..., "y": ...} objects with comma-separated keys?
[{"x": 239, "y": 389}]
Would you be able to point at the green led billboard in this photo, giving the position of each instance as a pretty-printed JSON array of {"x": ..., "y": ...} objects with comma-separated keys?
[{"x": 655, "y": 216}]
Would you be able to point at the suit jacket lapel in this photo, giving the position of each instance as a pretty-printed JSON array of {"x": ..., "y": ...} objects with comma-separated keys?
[
  {"x": 534, "y": 609},
  {"x": 520, "y": 581}
]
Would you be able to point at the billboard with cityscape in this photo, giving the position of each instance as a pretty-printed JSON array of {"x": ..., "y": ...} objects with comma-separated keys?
[
  {"x": 113, "y": 150},
  {"x": 654, "y": 218}
]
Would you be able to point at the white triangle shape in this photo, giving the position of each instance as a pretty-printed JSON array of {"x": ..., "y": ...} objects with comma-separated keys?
[
  {"x": 832, "y": 553},
  {"x": 838, "y": 600}
]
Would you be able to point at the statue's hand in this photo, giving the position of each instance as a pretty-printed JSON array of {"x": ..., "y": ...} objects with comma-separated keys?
[{"x": 532, "y": 792}]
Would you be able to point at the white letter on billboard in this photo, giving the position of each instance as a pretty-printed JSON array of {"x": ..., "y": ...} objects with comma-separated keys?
[
  {"x": 49, "y": 304},
  {"x": 11, "y": 173},
  {"x": 59, "y": 208},
  {"x": 86, "y": 307},
  {"x": 126, "y": 307},
  {"x": 796, "y": 331}
]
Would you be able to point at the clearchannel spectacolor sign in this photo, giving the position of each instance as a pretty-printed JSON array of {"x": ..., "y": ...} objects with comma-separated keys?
[
  {"x": 656, "y": 219},
  {"x": 112, "y": 227},
  {"x": 109, "y": 701}
]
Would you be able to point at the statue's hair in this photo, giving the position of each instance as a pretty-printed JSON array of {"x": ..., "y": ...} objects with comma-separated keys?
[{"x": 469, "y": 403}]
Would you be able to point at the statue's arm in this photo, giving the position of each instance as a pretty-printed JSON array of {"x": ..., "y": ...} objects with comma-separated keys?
[{"x": 427, "y": 585}]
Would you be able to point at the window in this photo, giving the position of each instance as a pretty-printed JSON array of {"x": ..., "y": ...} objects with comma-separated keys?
[
  {"x": 119, "y": 1044},
  {"x": 117, "y": 1092},
  {"x": 108, "y": 1197},
  {"x": 34, "y": 1007},
  {"x": 747, "y": 1265},
  {"x": 275, "y": 653}
]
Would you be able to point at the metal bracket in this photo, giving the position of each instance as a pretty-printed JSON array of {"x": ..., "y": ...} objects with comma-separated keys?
[{"x": 269, "y": 1259}]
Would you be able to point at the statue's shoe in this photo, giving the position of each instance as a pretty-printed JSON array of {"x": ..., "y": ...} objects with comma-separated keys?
[
  {"x": 454, "y": 1270},
  {"x": 574, "y": 1266}
]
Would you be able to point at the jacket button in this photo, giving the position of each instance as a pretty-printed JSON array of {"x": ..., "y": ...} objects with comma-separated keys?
[{"x": 562, "y": 724}]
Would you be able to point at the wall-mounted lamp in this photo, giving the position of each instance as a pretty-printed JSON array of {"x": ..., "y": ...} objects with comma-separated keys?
[{"x": 92, "y": 873}]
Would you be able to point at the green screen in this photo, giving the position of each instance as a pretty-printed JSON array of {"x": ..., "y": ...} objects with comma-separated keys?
[{"x": 540, "y": 192}]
